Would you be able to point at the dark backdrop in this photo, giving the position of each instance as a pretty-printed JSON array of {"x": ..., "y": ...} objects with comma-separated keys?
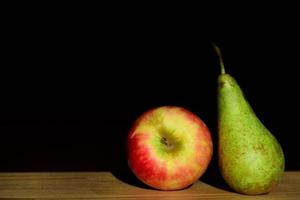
[{"x": 71, "y": 86}]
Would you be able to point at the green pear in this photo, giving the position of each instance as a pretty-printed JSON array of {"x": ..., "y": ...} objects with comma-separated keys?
[{"x": 250, "y": 158}]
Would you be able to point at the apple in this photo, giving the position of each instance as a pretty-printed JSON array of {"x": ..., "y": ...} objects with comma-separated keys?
[{"x": 169, "y": 148}]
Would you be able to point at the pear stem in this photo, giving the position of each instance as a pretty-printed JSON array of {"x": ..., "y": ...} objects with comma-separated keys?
[{"x": 218, "y": 51}]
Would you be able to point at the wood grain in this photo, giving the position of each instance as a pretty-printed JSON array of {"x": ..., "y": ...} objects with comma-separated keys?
[{"x": 104, "y": 185}]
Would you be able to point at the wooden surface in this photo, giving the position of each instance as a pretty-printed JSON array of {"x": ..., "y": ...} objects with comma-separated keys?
[{"x": 104, "y": 185}]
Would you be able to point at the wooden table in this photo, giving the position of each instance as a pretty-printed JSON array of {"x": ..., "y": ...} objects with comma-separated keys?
[{"x": 105, "y": 185}]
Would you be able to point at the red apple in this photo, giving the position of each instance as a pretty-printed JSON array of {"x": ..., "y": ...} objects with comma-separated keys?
[{"x": 169, "y": 148}]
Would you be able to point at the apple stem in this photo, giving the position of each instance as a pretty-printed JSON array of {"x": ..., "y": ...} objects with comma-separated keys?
[{"x": 218, "y": 51}]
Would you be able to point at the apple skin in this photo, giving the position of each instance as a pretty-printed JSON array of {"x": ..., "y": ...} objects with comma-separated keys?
[{"x": 169, "y": 148}]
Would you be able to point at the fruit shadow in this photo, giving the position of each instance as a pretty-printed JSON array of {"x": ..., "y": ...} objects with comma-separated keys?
[
  {"x": 123, "y": 173},
  {"x": 128, "y": 177},
  {"x": 213, "y": 177},
  {"x": 118, "y": 161}
]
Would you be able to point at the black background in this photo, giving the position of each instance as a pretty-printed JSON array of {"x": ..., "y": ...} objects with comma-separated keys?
[{"x": 72, "y": 84}]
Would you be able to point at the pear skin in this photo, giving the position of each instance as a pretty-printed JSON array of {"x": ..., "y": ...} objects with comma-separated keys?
[{"x": 250, "y": 158}]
